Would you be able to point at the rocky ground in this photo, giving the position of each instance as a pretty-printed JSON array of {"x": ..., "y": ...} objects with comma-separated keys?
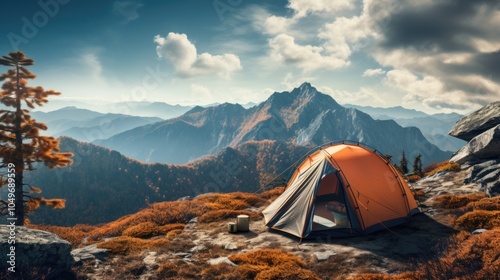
[{"x": 391, "y": 251}]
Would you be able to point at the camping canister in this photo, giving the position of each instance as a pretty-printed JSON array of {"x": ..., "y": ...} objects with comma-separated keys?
[
  {"x": 243, "y": 223},
  {"x": 232, "y": 227}
]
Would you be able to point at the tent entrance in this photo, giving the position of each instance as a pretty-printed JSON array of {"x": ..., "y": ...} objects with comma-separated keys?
[{"x": 330, "y": 208}]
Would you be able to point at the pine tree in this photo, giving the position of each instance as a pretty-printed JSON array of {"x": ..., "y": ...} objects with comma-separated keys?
[
  {"x": 21, "y": 145},
  {"x": 417, "y": 165},
  {"x": 404, "y": 164}
]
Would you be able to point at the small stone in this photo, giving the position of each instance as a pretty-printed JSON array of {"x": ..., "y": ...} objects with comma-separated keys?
[
  {"x": 198, "y": 248},
  {"x": 221, "y": 260},
  {"x": 479, "y": 231},
  {"x": 183, "y": 255},
  {"x": 323, "y": 256},
  {"x": 231, "y": 246}
]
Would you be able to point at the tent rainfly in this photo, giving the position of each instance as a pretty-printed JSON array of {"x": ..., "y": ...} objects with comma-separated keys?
[{"x": 342, "y": 190}]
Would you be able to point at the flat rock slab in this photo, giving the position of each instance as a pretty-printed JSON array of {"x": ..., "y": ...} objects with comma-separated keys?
[
  {"x": 481, "y": 148},
  {"x": 36, "y": 249},
  {"x": 478, "y": 122}
]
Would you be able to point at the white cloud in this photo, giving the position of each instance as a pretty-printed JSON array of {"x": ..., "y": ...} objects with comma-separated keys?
[
  {"x": 364, "y": 96},
  {"x": 200, "y": 91},
  {"x": 178, "y": 50},
  {"x": 373, "y": 72},
  {"x": 307, "y": 57},
  {"x": 277, "y": 25},
  {"x": 334, "y": 43},
  {"x": 427, "y": 90},
  {"x": 304, "y": 7},
  {"x": 91, "y": 62},
  {"x": 127, "y": 9}
]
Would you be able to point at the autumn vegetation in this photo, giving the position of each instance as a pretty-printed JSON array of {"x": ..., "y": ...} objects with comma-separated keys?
[
  {"x": 161, "y": 227},
  {"x": 21, "y": 145}
]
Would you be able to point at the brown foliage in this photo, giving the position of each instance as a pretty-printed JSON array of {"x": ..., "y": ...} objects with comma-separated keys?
[
  {"x": 272, "y": 193},
  {"x": 444, "y": 166},
  {"x": 413, "y": 178},
  {"x": 490, "y": 204},
  {"x": 143, "y": 230},
  {"x": 125, "y": 245},
  {"x": 479, "y": 219},
  {"x": 21, "y": 143},
  {"x": 74, "y": 234},
  {"x": 449, "y": 201},
  {"x": 271, "y": 264}
]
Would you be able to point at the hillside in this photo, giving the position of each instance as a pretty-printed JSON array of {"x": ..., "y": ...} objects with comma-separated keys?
[
  {"x": 102, "y": 185},
  {"x": 165, "y": 241},
  {"x": 302, "y": 116},
  {"x": 434, "y": 127},
  {"x": 86, "y": 125}
]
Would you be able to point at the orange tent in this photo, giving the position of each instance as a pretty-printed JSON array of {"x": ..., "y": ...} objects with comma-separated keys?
[{"x": 342, "y": 190}]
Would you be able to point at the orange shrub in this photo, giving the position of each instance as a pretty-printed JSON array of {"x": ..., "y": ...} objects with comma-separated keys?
[
  {"x": 233, "y": 201},
  {"x": 490, "y": 204},
  {"x": 286, "y": 272},
  {"x": 74, "y": 235},
  {"x": 479, "y": 219},
  {"x": 173, "y": 233},
  {"x": 413, "y": 178},
  {"x": 167, "y": 228},
  {"x": 268, "y": 257},
  {"x": 159, "y": 213},
  {"x": 468, "y": 257},
  {"x": 143, "y": 230},
  {"x": 450, "y": 201},
  {"x": 219, "y": 215},
  {"x": 273, "y": 193},
  {"x": 125, "y": 245},
  {"x": 444, "y": 166},
  {"x": 271, "y": 264}
]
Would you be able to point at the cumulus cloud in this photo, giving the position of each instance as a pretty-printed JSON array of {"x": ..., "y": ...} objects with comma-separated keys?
[
  {"x": 333, "y": 45},
  {"x": 451, "y": 45},
  {"x": 307, "y": 57},
  {"x": 304, "y": 7},
  {"x": 373, "y": 72},
  {"x": 178, "y": 50}
]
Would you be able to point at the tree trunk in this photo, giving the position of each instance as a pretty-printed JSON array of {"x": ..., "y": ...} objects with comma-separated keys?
[{"x": 18, "y": 158}]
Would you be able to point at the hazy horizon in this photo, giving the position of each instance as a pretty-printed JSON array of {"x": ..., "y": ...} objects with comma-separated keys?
[{"x": 431, "y": 56}]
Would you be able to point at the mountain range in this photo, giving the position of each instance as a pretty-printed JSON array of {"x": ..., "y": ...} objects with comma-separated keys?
[
  {"x": 301, "y": 116},
  {"x": 87, "y": 125},
  {"x": 102, "y": 185},
  {"x": 434, "y": 127}
]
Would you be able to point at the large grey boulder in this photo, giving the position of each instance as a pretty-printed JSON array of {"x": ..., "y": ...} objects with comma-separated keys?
[
  {"x": 478, "y": 122},
  {"x": 482, "y": 147},
  {"x": 90, "y": 252},
  {"x": 488, "y": 175},
  {"x": 35, "y": 251}
]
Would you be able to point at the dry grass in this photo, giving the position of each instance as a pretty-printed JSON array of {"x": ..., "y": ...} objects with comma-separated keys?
[
  {"x": 467, "y": 257},
  {"x": 449, "y": 201},
  {"x": 413, "y": 178},
  {"x": 479, "y": 219},
  {"x": 272, "y": 194},
  {"x": 490, "y": 204},
  {"x": 75, "y": 235},
  {"x": 218, "y": 215},
  {"x": 272, "y": 264},
  {"x": 444, "y": 166},
  {"x": 125, "y": 245}
]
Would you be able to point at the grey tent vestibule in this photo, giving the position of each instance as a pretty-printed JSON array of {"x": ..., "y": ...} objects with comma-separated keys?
[{"x": 342, "y": 190}]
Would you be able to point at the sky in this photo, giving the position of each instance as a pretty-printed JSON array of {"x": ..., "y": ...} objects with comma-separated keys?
[{"x": 430, "y": 55}]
